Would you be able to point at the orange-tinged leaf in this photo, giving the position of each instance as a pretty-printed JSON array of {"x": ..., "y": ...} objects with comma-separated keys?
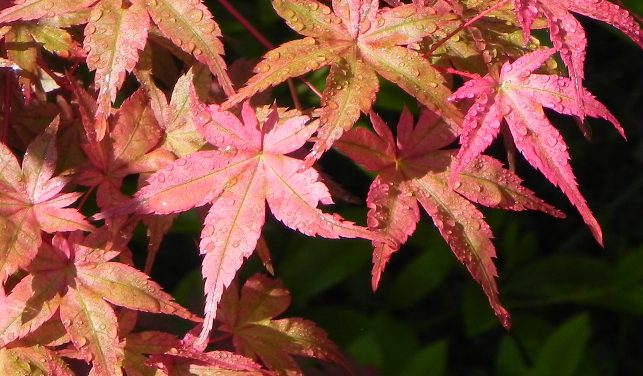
[
  {"x": 91, "y": 324},
  {"x": 30, "y": 201},
  {"x": 27, "y": 307},
  {"x": 406, "y": 24},
  {"x": 181, "y": 135},
  {"x": 113, "y": 38},
  {"x": 250, "y": 320},
  {"x": 125, "y": 286},
  {"x": 190, "y": 26},
  {"x": 291, "y": 59},
  {"x": 30, "y": 360},
  {"x": 129, "y": 149},
  {"x": 311, "y": 18},
  {"x": 416, "y": 76},
  {"x": 34, "y": 9},
  {"x": 350, "y": 89}
]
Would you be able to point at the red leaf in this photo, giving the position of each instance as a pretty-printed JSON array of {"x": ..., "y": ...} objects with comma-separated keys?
[
  {"x": 113, "y": 38},
  {"x": 413, "y": 169},
  {"x": 518, "y": 95},
  {"x": 250, "y": 320},
  {"x": 248, "y": 168},
  {"x": 30, "y": 201}
]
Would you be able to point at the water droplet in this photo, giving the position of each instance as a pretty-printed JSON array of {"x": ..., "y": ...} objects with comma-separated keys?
[
  {"x": 196, "y": 15},
  {"x": 96, "y": 15},
  {"x": 208, "y": 230}
]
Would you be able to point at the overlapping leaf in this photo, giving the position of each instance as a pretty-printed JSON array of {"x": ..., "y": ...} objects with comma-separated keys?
[
  {"x": 113, "y": 38},
  {"x": 78, "y": 281},
  {"x": 250, "y": 317},
  {"x": 248, "y": 168},
  {"x": 31, "y": 201},
  {"x": 357, "y": 39},
  {"x": 413, "y": 170},
  {"x": 129, "y": 149},
  {"x": 568, "y": 35},
  {"x": 519, "y": 96}
]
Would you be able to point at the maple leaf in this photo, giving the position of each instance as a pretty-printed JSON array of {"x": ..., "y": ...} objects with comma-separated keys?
[
  {"x": 31, "y": 201},
  {"x": 116, "y": 32},
  {"x": 181, "y": 136},
  {"x": 568, "y": 35},
  {"x": 413, "y": 170},
  {"x": 32, "y": 360},
  {"x": 249, "y": 317},
  {"x": 357, "y": 39},
  {"x": 35, "y": 9},
  {"x": 186, "y": 361},
  {"x": 248, "y": 168},
  {"x": 519, "y": 96},
  {"x": 129, "y": 149},
  {"x": 113, "y": 38},
  {"x": 73, "y": 276}
]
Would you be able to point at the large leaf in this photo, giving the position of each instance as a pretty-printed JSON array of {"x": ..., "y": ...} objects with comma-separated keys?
[
  {"x": 519, "y": 96},
  {"x": 248, "y": 168}
]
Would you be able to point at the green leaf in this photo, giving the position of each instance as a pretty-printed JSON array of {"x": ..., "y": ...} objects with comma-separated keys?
[
  {"x": 564, "y": 348},
  {"x": 429, "y": 361}
]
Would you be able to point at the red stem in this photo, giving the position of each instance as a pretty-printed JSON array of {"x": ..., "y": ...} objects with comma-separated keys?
[
  {"x": 268, "y": 45},
  {"x": 466, "y": 24}
]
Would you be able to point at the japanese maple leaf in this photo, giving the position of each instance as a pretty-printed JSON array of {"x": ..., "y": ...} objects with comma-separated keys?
[
  {"x": 16, "y": 360},
  {"x": 184, "y": 360},
  {"x": 519, "y": 96},
  {"x": 131, "y": 148},
  {"x": 415, "y": 169},
  {"x": 250, "y": 318},
  {"x": 568, "y": 35},
  {"x": 31, "y": 201},
  {"x": 75, "y": 277},
  {"x": 357, "y": 39},
  {"x": 117, "y": 31},
  {"x": 181, "y": 136},
  {"x": 249, "y": 167}
]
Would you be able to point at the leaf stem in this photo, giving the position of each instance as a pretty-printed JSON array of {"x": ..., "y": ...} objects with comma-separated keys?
[{"x": 466, "y": 24}]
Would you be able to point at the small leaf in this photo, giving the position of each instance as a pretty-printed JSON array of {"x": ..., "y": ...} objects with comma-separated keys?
[
  {"x": 189, "y": 25},
  {"x": 113, "y": 38}
]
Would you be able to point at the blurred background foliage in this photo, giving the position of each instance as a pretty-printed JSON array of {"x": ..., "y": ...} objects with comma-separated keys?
[{"x": 577, "y": 309}]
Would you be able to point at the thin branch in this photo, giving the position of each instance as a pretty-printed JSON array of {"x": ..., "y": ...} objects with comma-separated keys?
[
  {"x": 269, "y": 46},
  {"x": 465, "y": 25}
]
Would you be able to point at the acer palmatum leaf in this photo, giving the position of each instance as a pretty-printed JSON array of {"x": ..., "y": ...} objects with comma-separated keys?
[
  {"x": 130, "y": 148},
  {"x": 31, "y": 201},
  {"x": 113, "y": 38},
  {"x": 14, "y": 361},
  {"x": 189, "y": 25},
  {"x": 248, "y": 168},
  {"x": 568, "y": 35},
  {"x": 35, "y": 9},
  {"x": 519, "y": 96},
  {"x": 79, "y": 280},
  {"x": 358, "y": 40},
  {"x": 414, "y": 169},
  {"x": 250, "y": 317},
  {"x": 189, "y": 361}
]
